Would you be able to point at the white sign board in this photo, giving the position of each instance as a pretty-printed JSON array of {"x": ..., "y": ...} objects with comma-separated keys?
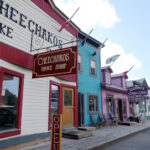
[{"x": 25, "y": 26}]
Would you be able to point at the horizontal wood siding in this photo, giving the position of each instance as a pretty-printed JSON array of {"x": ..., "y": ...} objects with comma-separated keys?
[
  {"x": 21, "y": 36},
  {"x": 35, "y": 101}
]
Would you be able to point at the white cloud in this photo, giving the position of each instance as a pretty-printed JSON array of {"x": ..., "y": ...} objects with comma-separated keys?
[
  {"x": 124, "y": 62},
  {"x": 100, "y": 13},
  {"x": 148, "y": 82},
  {"x": 91, "y": 13}
]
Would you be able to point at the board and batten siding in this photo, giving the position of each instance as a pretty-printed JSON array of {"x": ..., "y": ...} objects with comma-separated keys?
[{"x": 21, "y": 36}]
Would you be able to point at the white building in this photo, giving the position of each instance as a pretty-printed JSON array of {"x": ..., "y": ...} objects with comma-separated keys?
[{"x": 26, "y": 104}]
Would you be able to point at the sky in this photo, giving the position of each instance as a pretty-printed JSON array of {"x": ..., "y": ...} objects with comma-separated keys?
[{"x": 126, "y": 25}]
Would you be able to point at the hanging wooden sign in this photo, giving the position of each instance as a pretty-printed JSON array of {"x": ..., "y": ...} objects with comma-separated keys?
[{"x": 57, "y": 62}]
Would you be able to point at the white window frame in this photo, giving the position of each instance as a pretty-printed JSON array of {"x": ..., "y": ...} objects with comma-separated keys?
[
  {"x": 80, "y": 68},
  {"x": 95, "y": 70}
]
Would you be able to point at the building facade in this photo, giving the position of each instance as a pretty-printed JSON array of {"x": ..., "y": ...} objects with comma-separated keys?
[
  {"x": 27, "y": 104},
  {"x": 89, "y": 96},
  {"x": 138, "y": 101},
  {"x": 114, "y": 94}
]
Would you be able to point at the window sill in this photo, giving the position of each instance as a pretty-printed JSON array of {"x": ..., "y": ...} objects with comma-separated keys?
[{"x": 8, "y": 133}]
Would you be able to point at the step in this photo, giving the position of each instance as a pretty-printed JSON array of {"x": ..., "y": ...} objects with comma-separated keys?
[
  {"x": 87, "y": 128},
  {"x": 75, "y": 134}
]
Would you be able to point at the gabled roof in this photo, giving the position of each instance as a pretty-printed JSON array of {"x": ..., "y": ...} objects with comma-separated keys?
[
  {"x": 89, "y": 40},
  {"x": 141, "y": 81},
  {"x": 62, "y": 14},
  {"x": 119, "y": 75},
  {"x": 81, "y": 34},
  {"x": 107, "y": 67}
]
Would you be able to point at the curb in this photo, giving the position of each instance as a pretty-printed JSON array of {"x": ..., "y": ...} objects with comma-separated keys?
[{"x": 117, "y": 139}]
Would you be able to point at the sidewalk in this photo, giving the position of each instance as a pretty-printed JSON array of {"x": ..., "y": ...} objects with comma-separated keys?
[{"x": 99, "y": 138}]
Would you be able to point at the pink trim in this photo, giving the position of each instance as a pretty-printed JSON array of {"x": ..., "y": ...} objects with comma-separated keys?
[
  {"x": 20, "y": 98},
  {"x": 55, "y": 15}
]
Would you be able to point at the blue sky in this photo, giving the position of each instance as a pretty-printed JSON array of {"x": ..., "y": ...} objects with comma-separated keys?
[{"x": 125, "y": 23}]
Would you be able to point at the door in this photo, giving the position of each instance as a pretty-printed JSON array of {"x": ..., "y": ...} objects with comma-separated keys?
[
  {"x": 68, "y": 107},
  {"x": 120, "y": 110},
  {"x": 81, "y": 109}
]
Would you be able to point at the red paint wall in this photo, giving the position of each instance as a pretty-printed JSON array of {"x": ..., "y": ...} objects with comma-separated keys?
[{"x": 16, "y": 56}]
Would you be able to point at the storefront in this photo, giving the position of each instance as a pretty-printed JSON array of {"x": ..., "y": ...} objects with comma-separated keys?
[
  {"x": 114, "y": 95},
  {"x": 26, "y": 104},
  {"x": 138, "y": 97}
]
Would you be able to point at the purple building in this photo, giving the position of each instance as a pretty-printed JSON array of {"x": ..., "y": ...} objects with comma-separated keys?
[{"x": 114, "y": 94}]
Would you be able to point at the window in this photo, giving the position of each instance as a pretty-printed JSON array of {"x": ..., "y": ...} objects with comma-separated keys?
[
  {"x": 54, "y": 100},
  {"x": 79, "y": 62},
  {"x": 124, "y": 83},
  {"x": 10, "y": 101},
  {"x": 131, "y": 106},
  {"x": 107, "y": 78},
  {"x": 68, "y": 98},
  {"x": 93, "y": 103},
  {"x": 110, "y": 107},
  {"x": 93, "y": 67}
]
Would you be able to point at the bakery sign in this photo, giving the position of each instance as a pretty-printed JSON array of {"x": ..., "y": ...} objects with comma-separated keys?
[{"x": 56, "y": 62}]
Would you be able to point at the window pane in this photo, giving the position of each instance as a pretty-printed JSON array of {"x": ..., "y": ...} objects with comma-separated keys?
[
  {"x": 107, "y": 77},
  {"x": 93, "y": 64},
  {"x": 93, "y": 104},
  {"x": 79, "y": 66},
  {"x": 93, "y": 67},
  {"x": 93, "y": 71},
  {"x": 54, "y": 100},
  {"x": 68, "y": 98},
  {"x": 124, "y": 83},
  {"x": 9, "y": 102},
  {"x": 110, "y": 104},
  {"x": 79, "y": 62},
  {"x": 79, "y": 58}
]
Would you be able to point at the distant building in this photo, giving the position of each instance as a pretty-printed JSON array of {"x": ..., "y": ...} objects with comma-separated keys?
[
  {"x": 139, "y": 102},
  {"x": 114, "y": 94}
]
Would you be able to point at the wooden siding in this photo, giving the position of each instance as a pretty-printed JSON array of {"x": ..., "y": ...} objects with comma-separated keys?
[{"x": 21, "y": 37}]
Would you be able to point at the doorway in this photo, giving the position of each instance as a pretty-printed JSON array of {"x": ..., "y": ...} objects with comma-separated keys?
[
  {"x": 120, "y": 110},
  {"x": 81, "y": 109},
  {"x": 68, "y": 107}
]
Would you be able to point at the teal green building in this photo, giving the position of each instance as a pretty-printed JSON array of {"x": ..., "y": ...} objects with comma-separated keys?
[{"x": 89, "y": 79}]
